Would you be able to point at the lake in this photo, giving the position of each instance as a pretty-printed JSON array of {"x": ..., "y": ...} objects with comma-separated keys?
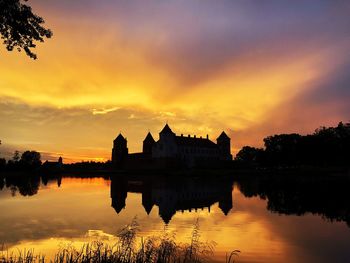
[{"x": 267, "y": 220}]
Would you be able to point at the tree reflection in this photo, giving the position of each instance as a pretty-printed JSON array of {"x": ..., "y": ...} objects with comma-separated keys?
[
  {"x": 26, "y": 185},
  {"x": 2, "y": 182},
  {"x": 297, "y": 195}
]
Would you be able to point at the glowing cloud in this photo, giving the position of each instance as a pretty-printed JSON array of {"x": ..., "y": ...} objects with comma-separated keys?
[{"x": 131, "y": 67}]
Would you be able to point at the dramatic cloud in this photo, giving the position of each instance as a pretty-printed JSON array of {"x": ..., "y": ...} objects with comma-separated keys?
[
  {"x": 251, "y": 68},
  {"x": 83, "y": 134}
]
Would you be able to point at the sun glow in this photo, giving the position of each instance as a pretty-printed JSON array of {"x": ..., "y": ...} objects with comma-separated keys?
[{"x": 131, "y": 82}]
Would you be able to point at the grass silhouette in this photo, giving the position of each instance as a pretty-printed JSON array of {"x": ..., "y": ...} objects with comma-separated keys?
[{"x": 156, "y": 249}]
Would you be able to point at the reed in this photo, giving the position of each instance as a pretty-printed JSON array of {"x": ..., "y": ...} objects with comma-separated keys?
[{"x": 156, "y": 249}]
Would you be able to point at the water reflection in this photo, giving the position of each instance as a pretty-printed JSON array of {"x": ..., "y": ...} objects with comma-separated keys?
[
  {"x": 325, "y": 196},
  {"x": 174, "y": 194},
  {"x": 27, "y": 185},
  {"x": 291, "y": 195},
  {"x": 67, "y": 209}
]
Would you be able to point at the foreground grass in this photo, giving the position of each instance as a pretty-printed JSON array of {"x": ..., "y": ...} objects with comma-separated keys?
[{"x": 162, "y": 249}]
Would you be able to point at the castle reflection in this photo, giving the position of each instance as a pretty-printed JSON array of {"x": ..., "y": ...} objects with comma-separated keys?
[{"x": 172, "y": 195}]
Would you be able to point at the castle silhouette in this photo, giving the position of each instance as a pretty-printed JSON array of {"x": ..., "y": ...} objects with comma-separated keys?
[
  {"x": 172, "y": 150},
  {"x": 173, "y": 195}
]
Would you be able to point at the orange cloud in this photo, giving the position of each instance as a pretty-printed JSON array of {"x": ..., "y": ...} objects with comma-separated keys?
[{"x": 98, "y": 67}]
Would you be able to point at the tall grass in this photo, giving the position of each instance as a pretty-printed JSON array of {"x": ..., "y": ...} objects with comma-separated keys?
[{"x": 156, "y": 249}]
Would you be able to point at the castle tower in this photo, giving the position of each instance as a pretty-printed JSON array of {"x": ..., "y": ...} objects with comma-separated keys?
[
  {"x": 166, "y": 145},
  {"x": 166, "y": 132},
  {"x": 60, "y": 163},
  {"x": 147, "y": 201},
  {"x": 226, "y": 202},
  {"x": 120, "y": 150},
  {"x": 119, "y": 193},
  {"x": 148, "y": 143},
  {"x": 224, "y": 144}
]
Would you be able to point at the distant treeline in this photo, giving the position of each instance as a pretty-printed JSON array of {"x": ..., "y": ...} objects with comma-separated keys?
[
  {"x": 27, "y": 161},
  {"x": 327, "y": 146},
  {"x": 86, "y": 167},
  {"x": 30, "y": 161}
]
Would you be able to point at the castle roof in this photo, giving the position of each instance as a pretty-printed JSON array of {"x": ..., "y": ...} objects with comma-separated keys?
[
  {"x": 119, "y": 138},
  {"x": 225, "y": 207},
  {"x": 166, "y": 214},
  {"x": 166, "y": 129},
  {"x": 118, "y": 206},
  {"x": 194, "y": 142},
  {"x": 147, "y": 205},
  {"x": 149, "y": 138},
  {"x": 223, "y": 135}
]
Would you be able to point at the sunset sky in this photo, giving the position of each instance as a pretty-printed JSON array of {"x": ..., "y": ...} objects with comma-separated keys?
[{"x": 251, "y": 68}]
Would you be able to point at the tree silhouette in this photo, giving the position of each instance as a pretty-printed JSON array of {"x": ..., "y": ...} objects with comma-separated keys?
[
  {"x": 16, "y": 156},
  {"x": 20, "y": 27},
  {"x": 282, "y": 149},
  {"x": 250, "y": 155},
  {"x": 31, "y": 159},
  {"x": 2, "y": 165},
  {"x": 327, "y": 146}
]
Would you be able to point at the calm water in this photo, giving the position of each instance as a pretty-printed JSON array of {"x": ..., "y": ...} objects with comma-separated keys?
[{"x": 268, "y": 222}]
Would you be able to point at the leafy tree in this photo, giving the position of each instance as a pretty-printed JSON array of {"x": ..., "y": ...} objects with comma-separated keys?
[
  {"x": 282, "y": 149},
  {"x": 16, "y": 156},
  {"x": 250, "y": 155},
  {"x": 2, "y": 165},
  {"x": 333, "y": 144},
  {"x": 326, "y": 146},
  {"x": 31, "y": 159},
  {"x": 20, "y": 28}
]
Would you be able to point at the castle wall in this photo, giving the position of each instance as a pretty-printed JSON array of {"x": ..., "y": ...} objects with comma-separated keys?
[{"x": 165, "y": 147}]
